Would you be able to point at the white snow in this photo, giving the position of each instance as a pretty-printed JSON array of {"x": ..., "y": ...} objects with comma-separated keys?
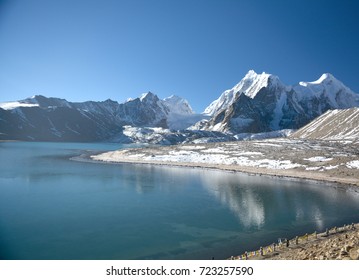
[
  {"x": 16, "y": 104},
  {"x": 178, "y": 105},
  {"x": 249, "y": 85},
  {"x": 353, "y": 164},
  {"x": 145, "y": 95},
  {"x": 250, "y": 153},
  {"x": 177, "y": 121},
  {"x": 267, "y": 144},
  {"x": 314, "y": 168},
  {"x": 315, "y": 159},
  {"x": 215, "y": 157},
  {"x": 329, "y": 167},
  {"x": 196, "y": 147}
]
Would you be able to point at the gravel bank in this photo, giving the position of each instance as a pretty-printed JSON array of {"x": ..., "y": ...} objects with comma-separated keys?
[{"x": 334, "y": 161}]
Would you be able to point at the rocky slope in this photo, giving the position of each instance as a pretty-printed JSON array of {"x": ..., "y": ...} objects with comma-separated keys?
[
  {"x": 332, "y": 125},
  {"x": 337, "y": 246},
  {"x": 340, "y": 243}
]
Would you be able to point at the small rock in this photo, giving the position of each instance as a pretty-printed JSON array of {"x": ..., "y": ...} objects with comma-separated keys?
[
  {"x": 354, "y": 253},
  {"x": 347, "y": 248}
]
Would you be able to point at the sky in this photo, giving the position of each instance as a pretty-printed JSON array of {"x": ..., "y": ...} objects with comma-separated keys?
[{"x": 98, "y": 49}]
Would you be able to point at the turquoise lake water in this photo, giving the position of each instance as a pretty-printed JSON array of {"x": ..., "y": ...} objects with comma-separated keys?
[{"x": 52, "y": 207}]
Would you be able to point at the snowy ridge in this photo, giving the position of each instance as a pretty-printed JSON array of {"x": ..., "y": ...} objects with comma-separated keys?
[
  {"x": 261, "y": 103},
  {"x": 178, "y": 105},
  {"x": 330, "y": 88},
  {"x": 249, "y": 86},
  {"x": 259, "y": 106},
  {"x": 40, "y": 118},
  {"x": 15, "y": 104}
]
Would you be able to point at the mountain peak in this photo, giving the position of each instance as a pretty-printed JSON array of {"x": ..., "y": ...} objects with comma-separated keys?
[
  {"x": 178, "y": 105},
  {"x": 254, "y": 75},
  {"x": 250, "y": 85},
  {"x": 148, "y": 96},
  {"x": 253, "y": 82},
  {"x": 173, "y": 97},
  {"x": 324, "y": 79}
]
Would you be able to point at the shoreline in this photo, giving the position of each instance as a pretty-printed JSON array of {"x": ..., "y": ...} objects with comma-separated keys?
[
  {"x": 326, "y": 162},
  {"x": 241, "y": 169}
]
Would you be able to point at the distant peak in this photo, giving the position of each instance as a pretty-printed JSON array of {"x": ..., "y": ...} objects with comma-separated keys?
[
  {"x": 265, "y": 77},
  {"x": 109, "y": 100},
  {"x": 36, "y": 96},
  {"x": 178, "y": 105},
  {"x": 251, "y": 73},
  {"x": 324, "y": 79},
  {"x": 173, "y": 97},
  {"x": 148, "y": 96}
]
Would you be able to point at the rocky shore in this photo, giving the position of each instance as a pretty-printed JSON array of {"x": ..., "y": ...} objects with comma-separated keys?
[
  {"x": 343, "y": 245},
  {"x": 331, "y": 161}
]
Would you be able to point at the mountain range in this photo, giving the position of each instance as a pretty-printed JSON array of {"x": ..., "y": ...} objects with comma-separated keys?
[
  {"x": 262, "y": 103},
  {"x": 259, "y": 103}
]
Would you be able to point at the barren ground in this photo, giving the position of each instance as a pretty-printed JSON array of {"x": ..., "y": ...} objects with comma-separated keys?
[{"x": 319, "y": 160}]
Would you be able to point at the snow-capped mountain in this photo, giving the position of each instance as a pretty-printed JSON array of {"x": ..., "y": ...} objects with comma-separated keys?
[
  {"x": 332, "y": 125},
  {"x": 54, "y": 119},
  {"x": 249, "y": 86},
  {"x": 261, "y": 103},
  {"x": 181, "y": 116},
  {"x": 178, "y": 105}
]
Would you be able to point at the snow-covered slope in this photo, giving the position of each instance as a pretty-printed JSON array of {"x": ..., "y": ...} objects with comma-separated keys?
[
  {"x": 180, "y": 115},
  {"x": 332, "y": 125},
  {"x": 249, "y": 86},
  {"x": 163, "y": 136},
  {"x": 178, "y": 105},
  {"x": 262, "y": 103}
]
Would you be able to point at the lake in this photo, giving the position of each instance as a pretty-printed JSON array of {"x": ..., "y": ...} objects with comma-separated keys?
[{"x": 52, "y": 207}]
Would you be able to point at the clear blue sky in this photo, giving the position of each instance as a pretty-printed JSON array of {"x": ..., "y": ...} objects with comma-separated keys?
[{"x": 99, "y": 49}]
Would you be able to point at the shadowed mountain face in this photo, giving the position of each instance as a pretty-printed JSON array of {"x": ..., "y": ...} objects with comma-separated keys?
[
  {"x": 55, "y": 124},
  {"x": 52, "y": 119}
]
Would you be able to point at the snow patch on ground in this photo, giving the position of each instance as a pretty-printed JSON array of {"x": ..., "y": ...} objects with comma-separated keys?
[
  {"x": 319, "y": 159},
  {"x": 193, "y": 147},
  {"x": 210, "y": 156},
  {"x": 353, "y": 164},
  {"x": 267, "y": 144}
]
